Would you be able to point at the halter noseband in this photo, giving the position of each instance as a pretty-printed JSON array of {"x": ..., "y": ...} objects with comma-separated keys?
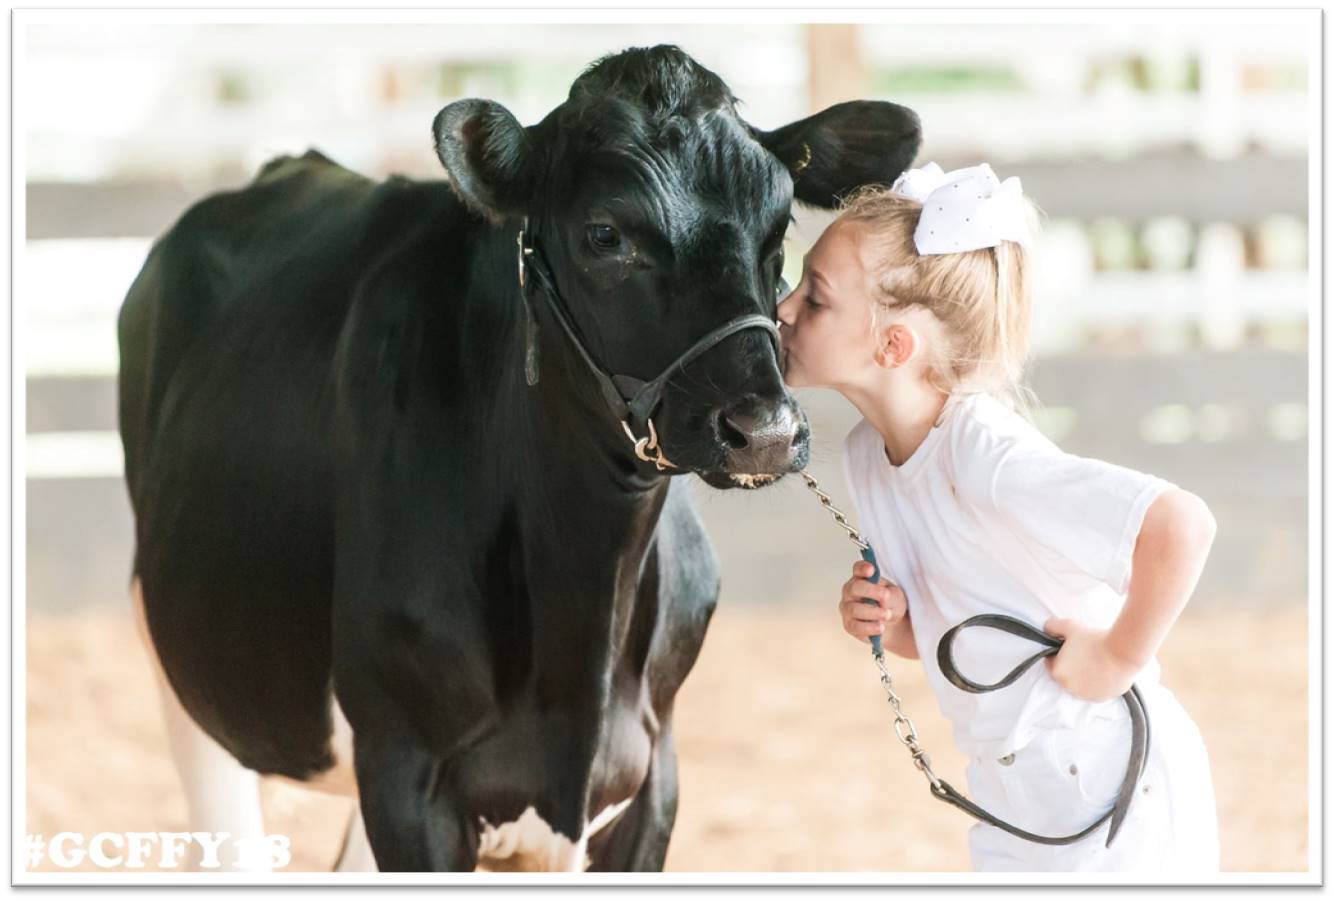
[{"x": 630, "y": 400}]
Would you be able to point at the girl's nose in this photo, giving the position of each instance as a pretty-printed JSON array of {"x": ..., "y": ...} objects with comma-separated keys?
[{"x": 785, "y": 309}]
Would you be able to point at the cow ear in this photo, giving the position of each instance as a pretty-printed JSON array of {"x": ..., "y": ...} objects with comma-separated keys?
[
  {"x": 487, "y": 157},
  {"x": 845, "y": 146}
]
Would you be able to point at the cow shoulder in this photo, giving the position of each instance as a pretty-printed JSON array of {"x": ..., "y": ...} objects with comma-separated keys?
[{"x": 412, "y": 327}]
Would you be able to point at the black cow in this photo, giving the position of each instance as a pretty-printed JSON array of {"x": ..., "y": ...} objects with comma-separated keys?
[{"x": 367, "y": 464}]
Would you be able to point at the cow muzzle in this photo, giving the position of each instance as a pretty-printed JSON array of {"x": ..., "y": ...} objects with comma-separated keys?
[{"x": 761, "y": 440}]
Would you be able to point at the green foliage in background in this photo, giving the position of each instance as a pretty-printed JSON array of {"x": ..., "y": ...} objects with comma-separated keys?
[
  {"x": 533, "y": 78},
  {"x": 476, "y": 79},
  {"x": 945, "y": 79}
]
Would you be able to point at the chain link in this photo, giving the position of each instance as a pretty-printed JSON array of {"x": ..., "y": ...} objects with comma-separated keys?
[
  {"x": 837, "y": 513},
  {"x": 903, "y": 725}
]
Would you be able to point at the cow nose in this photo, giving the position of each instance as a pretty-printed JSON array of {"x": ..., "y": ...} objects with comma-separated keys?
[{"x": 760, "y": 437}]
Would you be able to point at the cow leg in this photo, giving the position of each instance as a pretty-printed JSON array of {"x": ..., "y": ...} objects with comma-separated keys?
[
  {"x": 411, "y": 825},
  {"x": 356, "y": 855},
  {"x": 220, "y": 794},
  {"x": 637, "y": 841}
]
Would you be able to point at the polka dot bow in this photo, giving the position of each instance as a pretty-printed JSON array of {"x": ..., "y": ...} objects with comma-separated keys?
[{"x": 965, "y": 209}]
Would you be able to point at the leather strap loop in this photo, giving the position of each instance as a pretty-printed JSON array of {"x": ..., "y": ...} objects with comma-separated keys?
[
  {"x": 610, "y": 394},
  {"x": 1134, "y": 701}
]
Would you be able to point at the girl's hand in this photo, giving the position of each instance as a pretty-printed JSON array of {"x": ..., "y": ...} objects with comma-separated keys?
[
  {"x": 862, "y": 620},
  {"x": 1085, "y": 665}
]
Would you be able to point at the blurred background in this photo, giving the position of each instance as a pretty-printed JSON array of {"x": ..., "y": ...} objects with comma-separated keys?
[{"x": 1170, "y": 334}]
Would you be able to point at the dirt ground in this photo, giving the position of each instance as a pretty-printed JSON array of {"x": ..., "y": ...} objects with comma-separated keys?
[{"x": 787, "y": 758}]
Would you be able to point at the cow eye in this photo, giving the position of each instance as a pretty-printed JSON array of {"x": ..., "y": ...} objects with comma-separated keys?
[{"x": 604, "y": 237}]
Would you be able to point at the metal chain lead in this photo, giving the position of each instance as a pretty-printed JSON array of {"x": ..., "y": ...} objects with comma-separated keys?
[
  {"x": 903, "y": 726},
  {"x": 837, "y": 513}
]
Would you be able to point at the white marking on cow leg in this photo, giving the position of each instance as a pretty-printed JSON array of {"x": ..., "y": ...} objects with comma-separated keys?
[
  {"x": 529, "y": 843},
  {"x": 578, "y": 859},
  {"x": 220, "y": 794},
  {"x": 608, "y": 814},
  {"x": 598, "y": 823},
  {"x": 356, "y": 856}
]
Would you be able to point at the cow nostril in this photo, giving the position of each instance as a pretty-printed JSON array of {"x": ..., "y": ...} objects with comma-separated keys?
[{"x": 731, "y": 434}]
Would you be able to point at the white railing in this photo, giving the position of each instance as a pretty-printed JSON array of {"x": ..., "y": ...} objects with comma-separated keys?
[{"x": 146, "y": 97}]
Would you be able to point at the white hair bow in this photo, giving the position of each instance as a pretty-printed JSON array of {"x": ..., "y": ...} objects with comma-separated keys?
[{"x": 965, "y": 209}]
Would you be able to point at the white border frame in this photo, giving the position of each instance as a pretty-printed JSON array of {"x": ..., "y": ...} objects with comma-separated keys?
[{"x": 1310, "y": 17}]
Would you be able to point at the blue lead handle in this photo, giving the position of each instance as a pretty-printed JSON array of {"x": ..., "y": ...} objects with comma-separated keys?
[{"x": 869, "y": 556}]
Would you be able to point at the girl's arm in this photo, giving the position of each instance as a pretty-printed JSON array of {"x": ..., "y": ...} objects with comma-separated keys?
[
  {"x": 1170, "y": 550},
  {"x": 1173, "y": 543}
]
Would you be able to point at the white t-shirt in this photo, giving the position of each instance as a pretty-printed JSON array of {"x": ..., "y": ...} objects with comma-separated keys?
[{"x": 989, "y": 516}]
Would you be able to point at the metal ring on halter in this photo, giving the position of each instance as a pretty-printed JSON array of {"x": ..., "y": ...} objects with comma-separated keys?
[{"x": 649, "y": 443}]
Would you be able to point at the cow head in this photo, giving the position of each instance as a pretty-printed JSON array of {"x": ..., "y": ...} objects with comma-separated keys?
[{"x": 662, "y": 215}]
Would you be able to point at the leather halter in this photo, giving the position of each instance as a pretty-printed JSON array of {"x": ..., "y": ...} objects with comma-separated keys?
[
  {"x": 1139, "y": 724},
  {"x": 631, "y": 400}
]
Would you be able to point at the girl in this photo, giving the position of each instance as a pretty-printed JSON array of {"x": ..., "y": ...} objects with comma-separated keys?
[{"x": 914, "y": 305}]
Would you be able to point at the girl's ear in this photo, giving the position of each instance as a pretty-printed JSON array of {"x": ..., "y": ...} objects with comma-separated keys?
[{"x": 896, "y": 344}]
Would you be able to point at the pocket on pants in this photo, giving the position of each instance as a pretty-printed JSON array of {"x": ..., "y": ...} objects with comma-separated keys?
[
  {"x": 1093, "y": 760},
  {"x": 1064, "y": 779}
]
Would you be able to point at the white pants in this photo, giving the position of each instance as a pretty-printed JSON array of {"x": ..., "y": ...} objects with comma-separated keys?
[{"x": 1065, "y": 778}]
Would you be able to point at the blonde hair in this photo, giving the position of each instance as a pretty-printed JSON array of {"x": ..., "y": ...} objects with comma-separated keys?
[{"x": 982, "y": 298}]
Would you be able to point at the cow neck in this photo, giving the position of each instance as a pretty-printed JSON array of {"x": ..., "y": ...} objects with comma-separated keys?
[
  {"x": 584, "y": 528},
  {"x": 585, "y": 541}
]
